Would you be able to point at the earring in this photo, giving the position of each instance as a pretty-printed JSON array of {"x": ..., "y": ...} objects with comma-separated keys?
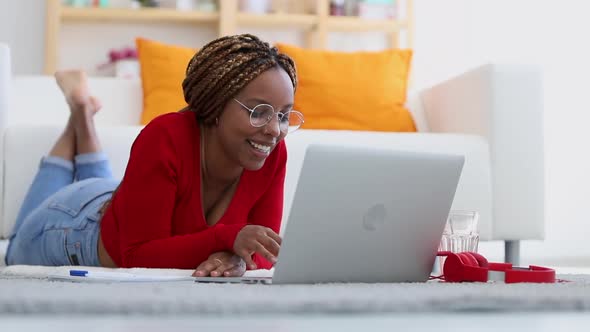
[{"x": 217, "y": 121}]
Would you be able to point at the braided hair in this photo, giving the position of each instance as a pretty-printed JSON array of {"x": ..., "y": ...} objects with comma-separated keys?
[{"x": 223, "y": 67}]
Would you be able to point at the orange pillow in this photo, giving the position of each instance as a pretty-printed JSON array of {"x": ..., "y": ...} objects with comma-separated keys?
[
  {"x": 352, "y": 91},
  {"x": 162, "y": 72}
]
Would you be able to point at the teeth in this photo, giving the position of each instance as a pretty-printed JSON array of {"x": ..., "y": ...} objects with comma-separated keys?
[{"x": 263, "y": 148}]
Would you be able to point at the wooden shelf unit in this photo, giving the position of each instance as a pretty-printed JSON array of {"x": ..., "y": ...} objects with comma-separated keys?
[
  {"x": 355, "y": 24},
  {"x": 304, "y": 21},
  {"x": 227, "y": 20},
  {"x": 136, "y": 15}
]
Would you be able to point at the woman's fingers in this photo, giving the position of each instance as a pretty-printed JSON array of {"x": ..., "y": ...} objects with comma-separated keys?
[
  {"x": 234, "y": 267},
  {"x": 205, "y": 268},
  {"x": 270, "y": 233},
  {"x": 257, "y": 239},
  {"x": 271, "y": 245},
  {"x": 261, "y": 250},
  {"x": 220, "y": 265},
  {"x": 246, "y": 255},
  {"x": 236, "y": 271},
  {"x": 220, "y": 270}
]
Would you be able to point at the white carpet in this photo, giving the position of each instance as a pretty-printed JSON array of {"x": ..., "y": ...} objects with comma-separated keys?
[{"x": 23, "y": 291}]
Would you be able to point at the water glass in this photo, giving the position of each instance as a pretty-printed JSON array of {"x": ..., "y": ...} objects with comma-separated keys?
[{"x": 460, "y": 233}]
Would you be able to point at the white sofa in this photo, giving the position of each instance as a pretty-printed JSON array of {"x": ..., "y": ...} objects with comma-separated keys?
[{"x": 492, "y": 115}]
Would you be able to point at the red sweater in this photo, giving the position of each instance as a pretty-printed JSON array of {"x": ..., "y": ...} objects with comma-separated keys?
[{"x": 156, "y": 218}]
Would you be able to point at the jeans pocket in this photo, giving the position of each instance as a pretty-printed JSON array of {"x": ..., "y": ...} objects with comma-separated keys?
[
  {"x": 52, "y": 244},
  {"x": 73, "y": 199}
]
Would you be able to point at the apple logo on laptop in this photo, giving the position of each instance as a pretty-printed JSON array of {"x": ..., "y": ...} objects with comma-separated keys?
[{"x": 374, "y": 217}]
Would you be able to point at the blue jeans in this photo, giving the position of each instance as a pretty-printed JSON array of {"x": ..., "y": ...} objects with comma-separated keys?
[{"x": 59, "y": 221}]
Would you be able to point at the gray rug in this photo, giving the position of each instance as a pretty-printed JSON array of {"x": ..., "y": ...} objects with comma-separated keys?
[{"x": 19, "y": 295}]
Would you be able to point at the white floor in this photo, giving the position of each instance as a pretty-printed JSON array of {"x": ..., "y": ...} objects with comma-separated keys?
[
  {"x": 540, "y": 322},
  {"x": 572, "y": 270}
]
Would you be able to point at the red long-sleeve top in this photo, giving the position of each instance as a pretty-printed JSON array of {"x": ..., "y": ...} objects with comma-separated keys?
[{"x": 156, "y": 216}]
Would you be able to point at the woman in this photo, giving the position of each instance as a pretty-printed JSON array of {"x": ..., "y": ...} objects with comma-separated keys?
[{"x": 203, "y": 187}]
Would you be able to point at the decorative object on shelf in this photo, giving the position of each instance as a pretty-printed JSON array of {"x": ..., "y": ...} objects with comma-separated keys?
[
  {"x": 352, "y": 7},
  {"x": 206, "y": 6},
  {"x": 338, "y": 7},
  {"x": 255, "y": 6},
  {"x": 122, "y": 63},
  {"x": 149, "y": 3},
  {"x": 87, "y": 3},
  {"x": 134, "y": 4},
  {"x": 77, "y": 3},
  {"x": 377, "y": 9},
  {"x": 185, "y": 5}
]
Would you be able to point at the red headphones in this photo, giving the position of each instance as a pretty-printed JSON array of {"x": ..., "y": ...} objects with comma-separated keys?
[{"x": 471, "y": 266}]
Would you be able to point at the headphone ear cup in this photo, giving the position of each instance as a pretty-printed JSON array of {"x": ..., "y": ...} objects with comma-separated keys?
[
  {"x": 465, "y": 266},
  {"x": 467, "y": 259},
  {"x": 482, "y": 261},
  {"x": 453, "y": 268}
]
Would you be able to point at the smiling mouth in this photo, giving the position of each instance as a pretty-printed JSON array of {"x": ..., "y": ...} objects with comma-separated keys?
[{"x": 260, "y": 147}]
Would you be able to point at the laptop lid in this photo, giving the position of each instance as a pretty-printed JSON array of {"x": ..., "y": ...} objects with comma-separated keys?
[{"x": 367, "y": 215}]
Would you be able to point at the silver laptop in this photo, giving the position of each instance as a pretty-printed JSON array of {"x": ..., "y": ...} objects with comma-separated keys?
[{"x": 364, "y": 215}]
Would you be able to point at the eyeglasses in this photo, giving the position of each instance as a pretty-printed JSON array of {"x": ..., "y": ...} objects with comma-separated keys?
[{"x": 261, "y": 114}]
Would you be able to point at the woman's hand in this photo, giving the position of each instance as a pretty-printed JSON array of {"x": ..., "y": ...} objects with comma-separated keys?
[
  {"x": 221, "y": 264},
  {"x": 257, "y": 239}
]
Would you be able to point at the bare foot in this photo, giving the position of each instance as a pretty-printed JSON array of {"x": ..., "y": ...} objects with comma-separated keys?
[
  {"x": 96, "y": 104},
  {"x": 74, "y": 85}
]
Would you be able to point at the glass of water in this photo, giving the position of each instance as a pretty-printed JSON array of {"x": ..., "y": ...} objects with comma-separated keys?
[{"x": 460, "y": 233}]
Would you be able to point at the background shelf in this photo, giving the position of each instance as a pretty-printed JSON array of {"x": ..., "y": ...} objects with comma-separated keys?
[
  {"x": 305, "y": 21},
  {"x": 136, "y": 15},
  {"x": 227, "y": 20},
  {"x": 354, "y": 24}
]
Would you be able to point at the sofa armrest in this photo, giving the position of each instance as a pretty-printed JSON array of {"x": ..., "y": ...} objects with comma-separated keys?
[
  {"x": 5, "y": 81},
  {"x": 504, "y": 104}
]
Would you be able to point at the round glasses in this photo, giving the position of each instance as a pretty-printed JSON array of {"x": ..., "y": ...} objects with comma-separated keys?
[{"x": 261, "y": 115}]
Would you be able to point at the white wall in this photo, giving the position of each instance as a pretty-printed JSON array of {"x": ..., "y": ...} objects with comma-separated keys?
[
  {"x": 442, "y": 40},
  {"x": 450, "y": 36},
  {"x": 22, "y": 25},
  {"x": 551, "y": 34}
]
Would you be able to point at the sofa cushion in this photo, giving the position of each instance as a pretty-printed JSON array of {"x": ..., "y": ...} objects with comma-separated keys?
[
  {"x": 162, "y": 72},
  {"x": 352, "y": 91}
]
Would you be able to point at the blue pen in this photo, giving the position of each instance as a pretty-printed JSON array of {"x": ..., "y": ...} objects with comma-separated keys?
[
  {"x": 78, "y": 273},
  {"x": 100, "y": 274}
]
